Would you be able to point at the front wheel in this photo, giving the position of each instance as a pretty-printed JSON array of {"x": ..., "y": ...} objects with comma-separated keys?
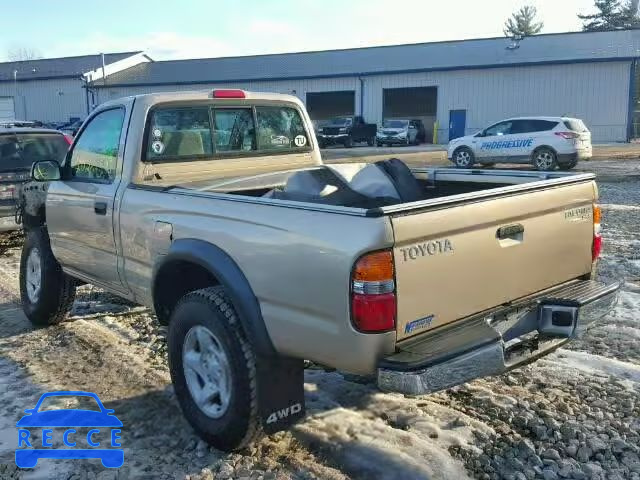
[
  {"x": 463, "y": 157},
  {"x": 46, "y": 292},
  {"x": 213, "y": 370},
  {"x": 544, "y": 159}
]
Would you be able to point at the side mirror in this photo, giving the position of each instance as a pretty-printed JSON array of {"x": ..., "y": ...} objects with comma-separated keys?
[{"x": 46, "y": 171}]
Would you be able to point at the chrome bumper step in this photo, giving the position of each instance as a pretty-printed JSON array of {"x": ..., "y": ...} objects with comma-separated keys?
[{"x": 498, "y": 340}]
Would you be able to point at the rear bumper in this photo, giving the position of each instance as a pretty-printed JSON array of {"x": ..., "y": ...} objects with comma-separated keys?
[{"x": 497, "y": 341}]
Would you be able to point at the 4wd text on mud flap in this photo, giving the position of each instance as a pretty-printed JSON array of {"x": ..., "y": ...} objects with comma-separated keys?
[
  {"x": 284, "y": 413},
  {"x": 431, "y": 248}
]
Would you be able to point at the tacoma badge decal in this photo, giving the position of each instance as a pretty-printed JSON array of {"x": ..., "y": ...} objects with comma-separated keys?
[
  {"x": 578, "y": 214},
  {"x": 420, "y": 323},
  {"x": 429, "y": 249}
]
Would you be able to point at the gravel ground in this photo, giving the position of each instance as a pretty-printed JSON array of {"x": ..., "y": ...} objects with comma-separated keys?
[{"x": 574, "y": 414}]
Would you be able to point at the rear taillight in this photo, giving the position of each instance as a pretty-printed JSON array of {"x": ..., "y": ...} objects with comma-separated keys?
[
  {"x": 596, "y": 248},
  {"x": 568, "y": 135},
  {"x": 69, "y": 139},
  {"x": 373, "y": 298}
]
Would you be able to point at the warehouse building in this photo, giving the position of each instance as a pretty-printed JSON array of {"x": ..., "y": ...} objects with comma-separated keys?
[
  {"x": 456, "y": 87},
  {"x": 51, "y": 90}
]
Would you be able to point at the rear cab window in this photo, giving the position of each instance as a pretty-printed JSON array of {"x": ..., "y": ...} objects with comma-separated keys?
[{"x": 212, "y": 131}]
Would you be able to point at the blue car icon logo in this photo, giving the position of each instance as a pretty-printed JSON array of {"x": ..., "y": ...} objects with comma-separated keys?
[{"x": 100, "y": 422}]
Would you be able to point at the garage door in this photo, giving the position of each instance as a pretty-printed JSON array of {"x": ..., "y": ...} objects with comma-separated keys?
[
  {"x": 7, "y": 111},
  {"x": 412, "y": 103},
  {"x": 326, "y": 105}
]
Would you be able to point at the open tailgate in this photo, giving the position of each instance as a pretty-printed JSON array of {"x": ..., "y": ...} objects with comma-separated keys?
[{"x": 456, "y": 261}]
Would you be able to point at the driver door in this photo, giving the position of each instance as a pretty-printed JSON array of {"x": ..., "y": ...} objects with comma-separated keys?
[
  {"x": 493, "y": 144},
  {"x": 80, "y": 207}
]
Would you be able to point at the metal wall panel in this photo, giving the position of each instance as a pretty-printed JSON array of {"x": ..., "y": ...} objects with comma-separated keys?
[
  {"x": 596, "y": 92},
  {"x": 299, "y": 88},
  {"x": 46, "y": 100}
]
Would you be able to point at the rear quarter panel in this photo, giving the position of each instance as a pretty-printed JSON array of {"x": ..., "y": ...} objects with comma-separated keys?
[{"x": 298, "y": 263}]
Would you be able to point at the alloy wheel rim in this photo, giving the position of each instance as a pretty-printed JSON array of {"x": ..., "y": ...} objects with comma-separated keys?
[
  {"x": 463, "y": 158},
  {"x": 544, "y": 160},
  {"x": 207, "y": 371},
  {"x": 34, "y": 275}
]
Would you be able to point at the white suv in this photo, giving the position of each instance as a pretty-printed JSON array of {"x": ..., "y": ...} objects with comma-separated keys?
[{"x": 545, "y": 142}]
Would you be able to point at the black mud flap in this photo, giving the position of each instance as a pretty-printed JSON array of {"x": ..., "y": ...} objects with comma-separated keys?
[{"x": 280, "y": 392}]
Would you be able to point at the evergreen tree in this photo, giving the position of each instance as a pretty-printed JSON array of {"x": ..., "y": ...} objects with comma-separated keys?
[
  {"x": 611, "y": 15},
  {"x": 523, "y": 23}
]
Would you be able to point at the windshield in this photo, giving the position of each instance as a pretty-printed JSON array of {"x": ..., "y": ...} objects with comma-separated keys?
[
  {"x": 395, "y": 123},
  {"x": 340, "y": 121},
  {"x": 18, "y": 151}
]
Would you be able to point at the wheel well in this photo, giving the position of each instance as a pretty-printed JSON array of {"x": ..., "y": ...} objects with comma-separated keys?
[
  {"x": 541, "y": 147},
  {"x": 174, "y": 280}
]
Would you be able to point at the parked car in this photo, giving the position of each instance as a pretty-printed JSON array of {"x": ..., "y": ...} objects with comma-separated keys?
[
  {"x": 545, "y": 142},
  {"x": 259, "y": 256},
  {"x": 71, "y": 128},
  {"x": 346, "y": 131},
  {"x": 400, "y": 132},
  {"x": 19, "y": 148}
]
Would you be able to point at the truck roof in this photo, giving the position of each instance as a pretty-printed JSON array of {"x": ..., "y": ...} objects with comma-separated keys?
[{"x": 161, "y": 97}]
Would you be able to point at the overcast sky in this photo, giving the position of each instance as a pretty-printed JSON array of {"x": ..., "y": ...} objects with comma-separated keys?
[{"x": 170, "y": 29}]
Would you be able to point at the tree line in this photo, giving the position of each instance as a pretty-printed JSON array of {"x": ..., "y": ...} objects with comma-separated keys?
[{"x": 609, "y": 15}]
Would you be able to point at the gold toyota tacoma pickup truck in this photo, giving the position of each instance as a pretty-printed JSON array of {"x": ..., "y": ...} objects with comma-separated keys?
[{"x": 214, "y": 208}]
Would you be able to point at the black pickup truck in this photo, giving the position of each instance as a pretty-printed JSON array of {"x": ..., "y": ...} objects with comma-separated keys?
[{"x": 346, "y": 131}]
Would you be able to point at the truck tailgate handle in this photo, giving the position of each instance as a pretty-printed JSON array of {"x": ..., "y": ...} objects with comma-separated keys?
[
  {"x": 510, "y": 231},
  {"x": 100, "y": 208}
]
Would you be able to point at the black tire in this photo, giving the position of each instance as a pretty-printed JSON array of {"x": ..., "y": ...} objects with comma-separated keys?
[
  {"x": 348, "y": 143},
  {"x": 544, "y": 159},
  {"x": 371, "y": 142},
  {"x": 567, "y": 166},
  {"x": 239, "y": 425},
  {"x": 51, "y": 304},
  {"x": 462, "y": 161},
  {"x": 407, "y": 142}
]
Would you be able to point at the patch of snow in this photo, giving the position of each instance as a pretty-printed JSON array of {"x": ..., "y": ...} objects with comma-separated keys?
[{"x": 597, "y": 365}]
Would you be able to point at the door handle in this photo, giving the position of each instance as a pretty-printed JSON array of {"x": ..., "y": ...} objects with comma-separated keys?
[
  {"x": 510, "y": 231},
  {"x": 100, "y": 208}
]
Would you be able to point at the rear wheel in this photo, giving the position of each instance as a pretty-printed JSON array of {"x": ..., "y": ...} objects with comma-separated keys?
[
  {"x": 348, "y": 143},
  {"x": 463, "y": 157},
  {"x": 213, "y": 370},
  {"x": 544, "y": 159},
  {"x": 46, "y": 292}
]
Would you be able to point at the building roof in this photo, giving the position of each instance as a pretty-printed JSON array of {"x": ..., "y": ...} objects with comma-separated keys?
[
  {"x": 49, "y": 68},
  {"x": 450, "y": 55}
]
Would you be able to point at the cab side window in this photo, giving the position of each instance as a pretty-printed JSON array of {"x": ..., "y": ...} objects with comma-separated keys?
[
  {"x": 95, "y": 154},
  {"x": 502, "y": 128}
]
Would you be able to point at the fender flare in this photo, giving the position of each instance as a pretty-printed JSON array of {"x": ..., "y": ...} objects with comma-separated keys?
[{"x": 217, "y": 262}]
